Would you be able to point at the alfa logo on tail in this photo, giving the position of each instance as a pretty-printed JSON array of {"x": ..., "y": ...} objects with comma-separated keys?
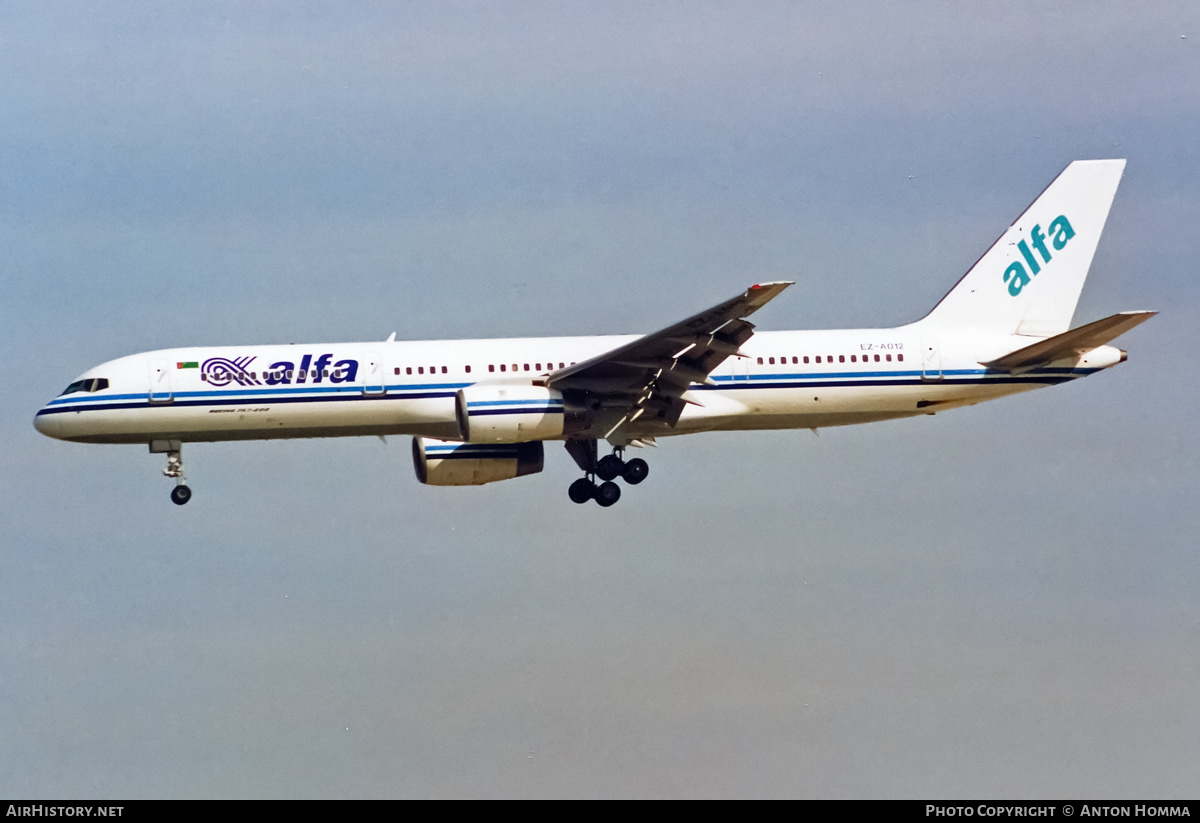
[{"x": 1016, "y": 275}]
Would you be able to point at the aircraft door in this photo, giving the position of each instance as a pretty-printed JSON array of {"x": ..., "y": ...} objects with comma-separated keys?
[
  {"x": 160, "y": 381},
  {"x": 374, "y": 376},
  {"x": 931, "y": 361}
]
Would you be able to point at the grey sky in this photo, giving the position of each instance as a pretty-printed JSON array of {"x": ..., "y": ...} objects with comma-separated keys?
[{"x": 998, "y": 601}]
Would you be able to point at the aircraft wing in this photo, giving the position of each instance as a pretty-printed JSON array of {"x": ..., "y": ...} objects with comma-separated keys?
[{"x": 650, "y": 374}]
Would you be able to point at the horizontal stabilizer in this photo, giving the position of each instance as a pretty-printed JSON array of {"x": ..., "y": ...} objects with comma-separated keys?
[{"x": 1071, "y": 343}]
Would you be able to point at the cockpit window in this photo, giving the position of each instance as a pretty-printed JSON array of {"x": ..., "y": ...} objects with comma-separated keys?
[{"x": 93, "y": 384}]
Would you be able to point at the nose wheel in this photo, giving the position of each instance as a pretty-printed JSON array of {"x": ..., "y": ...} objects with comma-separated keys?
[
  {"x": 606, "y": 470},
  {"x": 182, "y": 493}
]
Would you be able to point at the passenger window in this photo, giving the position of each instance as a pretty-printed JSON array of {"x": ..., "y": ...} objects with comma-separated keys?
[
  {"x": 408, "y": 369},
  {"x": 818, "y": 358},
  {"x": 841, "y": 358},
  {"x": 491, "y": 367},
  {"x": 503, "y": 367},
  {"x": 537, "y": 366},
  {"x": 443, "y": 369},
  {"x": 561, "y": 366},
  {"x": 876, "y": 358},
  {"x": 900, "y": 357},
  {"x": 468, "y": 369},
  {"x": 806, "y": 358},
  {"x": 760, "y": 361},
  {"x": 397, "y": 370},
  {"x": 289, "y": 374},
  {"x": 770, "y": 360},
  {"x": 515, "y": 367},
  {"x": 795, "y": 360},
  {"x": 526, "y": 367},
  {"x": 420, "y": 369},
  {"x": 889, "y": 358}
]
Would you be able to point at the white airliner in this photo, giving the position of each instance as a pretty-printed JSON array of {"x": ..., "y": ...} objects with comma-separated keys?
[{"x": 480, "y": 410}]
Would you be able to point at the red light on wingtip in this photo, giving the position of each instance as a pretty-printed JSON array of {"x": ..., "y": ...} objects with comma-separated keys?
[{"x": 756, "y": 286}]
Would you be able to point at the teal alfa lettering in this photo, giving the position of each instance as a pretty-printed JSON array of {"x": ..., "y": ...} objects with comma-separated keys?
[
  {"x": 1062, "y": 231},
  {"x": 1018, "y": 276},
  {"x": 1018, "y": 280}
]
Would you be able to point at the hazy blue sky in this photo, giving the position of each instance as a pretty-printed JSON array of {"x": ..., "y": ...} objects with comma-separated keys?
[{"x": 999, "y": 601}]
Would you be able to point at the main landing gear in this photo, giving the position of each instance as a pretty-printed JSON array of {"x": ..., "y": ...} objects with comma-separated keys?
[
  {"x": 182, "y": 493},
  {"x": 606, "y": 469}
]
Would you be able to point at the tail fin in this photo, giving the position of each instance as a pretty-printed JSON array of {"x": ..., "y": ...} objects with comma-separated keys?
[{"x": 1029, "y": 281}]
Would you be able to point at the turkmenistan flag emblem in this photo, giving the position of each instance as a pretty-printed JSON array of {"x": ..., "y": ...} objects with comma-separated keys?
[{"x": 191, "y": 364}]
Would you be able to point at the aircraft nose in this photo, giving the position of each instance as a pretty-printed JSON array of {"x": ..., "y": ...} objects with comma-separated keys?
[{"x": 46, "y": 423}]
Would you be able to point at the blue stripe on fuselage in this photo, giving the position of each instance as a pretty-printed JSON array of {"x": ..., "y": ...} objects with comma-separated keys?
[{"x": 424, "y": 391}]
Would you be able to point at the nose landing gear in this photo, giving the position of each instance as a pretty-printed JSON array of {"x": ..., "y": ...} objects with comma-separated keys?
[
  {"x": 606, "y": 469},
  {"x": 182, "y": 493}
]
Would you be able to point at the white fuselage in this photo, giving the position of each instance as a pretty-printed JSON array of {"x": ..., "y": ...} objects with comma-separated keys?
[{"x": 788, "y": 379}]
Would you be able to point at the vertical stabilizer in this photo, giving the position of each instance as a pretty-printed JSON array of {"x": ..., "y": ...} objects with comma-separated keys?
[{"x": 1029, "y": 281}]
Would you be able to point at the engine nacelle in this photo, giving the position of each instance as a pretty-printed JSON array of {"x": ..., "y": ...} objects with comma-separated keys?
[
  {"x": 446, "y": 463},
  {"x": 515, "y": 413}
]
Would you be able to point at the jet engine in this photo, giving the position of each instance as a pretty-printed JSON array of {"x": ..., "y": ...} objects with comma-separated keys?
[
  {"x": 446, "y": 463},
  {"x": 516, "y": 413}
]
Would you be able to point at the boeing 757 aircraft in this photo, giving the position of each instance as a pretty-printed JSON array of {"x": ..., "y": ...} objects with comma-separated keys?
[{"x": 480, "y": 410}]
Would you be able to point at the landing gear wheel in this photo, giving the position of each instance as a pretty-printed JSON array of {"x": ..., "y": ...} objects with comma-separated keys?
[
  {"x": 609, "y": 467},
  {"x": 635, "y": 471},
  {"x": 180, "y": 495},
  {"x": 607, "y": 494},
  {"x": 582, "y": 490}
]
